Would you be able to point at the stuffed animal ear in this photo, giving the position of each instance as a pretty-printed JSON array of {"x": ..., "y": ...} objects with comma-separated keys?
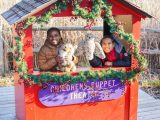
[
  {"x": 99, "y": 51},
  {"x": 87, "y": 33},
  {"x": 89, "y": 36},
  {"x": 80, "y": 49}
]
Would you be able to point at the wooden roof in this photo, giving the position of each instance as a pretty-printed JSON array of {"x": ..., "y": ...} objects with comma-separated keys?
[{"x": 26, "y": 8}]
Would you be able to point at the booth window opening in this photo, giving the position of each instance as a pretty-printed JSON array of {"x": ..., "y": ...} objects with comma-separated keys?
[{"x": 74, "y": 34}]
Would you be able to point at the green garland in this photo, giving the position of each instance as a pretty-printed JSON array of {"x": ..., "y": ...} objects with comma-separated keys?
[
  {"x": 83, "y": 76},
  {"x": 98, "y": 6},
  {"x": 21, "y": 66},
  {"x": 45, "y": 18}
]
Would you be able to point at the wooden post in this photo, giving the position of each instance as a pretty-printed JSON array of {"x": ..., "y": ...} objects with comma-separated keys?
[
  {"x": 1, "y": 52},
  {"x": 1, "y": 57}
]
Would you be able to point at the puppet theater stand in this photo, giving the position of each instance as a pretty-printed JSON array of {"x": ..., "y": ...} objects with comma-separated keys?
[{"x": 28, "y": 106}]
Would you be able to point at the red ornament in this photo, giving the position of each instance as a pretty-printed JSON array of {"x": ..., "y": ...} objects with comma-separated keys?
[
  {"x": 19, "y": 28},
  {"x": 103, "y": 12},
  {"x": 89, "y": 26},
  {"x": 115, "y": 33}
]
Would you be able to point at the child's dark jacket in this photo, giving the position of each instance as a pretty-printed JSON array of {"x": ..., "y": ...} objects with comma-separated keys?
[{"x": 121, "y": 59}]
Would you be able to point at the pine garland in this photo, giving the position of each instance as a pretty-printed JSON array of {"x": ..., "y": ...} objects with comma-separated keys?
[
  {"x": 115, "y": 28},
  {"x": 45, "y": 18},
  {"x": 21, "y": 66},
  {"x": 82, "y": 76}
]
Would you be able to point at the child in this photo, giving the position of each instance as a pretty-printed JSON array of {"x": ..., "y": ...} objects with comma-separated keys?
[
  {"x": 115, "y": 52},
  {"x": 48, "y": 58}
]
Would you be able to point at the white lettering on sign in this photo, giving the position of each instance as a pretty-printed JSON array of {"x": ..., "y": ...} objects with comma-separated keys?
[{"x": 78, "y": 95}]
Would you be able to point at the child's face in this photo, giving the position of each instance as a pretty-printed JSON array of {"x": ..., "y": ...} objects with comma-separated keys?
[
  {"x": 54, "y": 38},
  {"x": 107, "y": 45}
]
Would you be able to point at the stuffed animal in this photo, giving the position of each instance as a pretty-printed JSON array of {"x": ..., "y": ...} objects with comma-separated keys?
[
  {"x": 90, "y": 47},
  {"x": 67, "y": 50}
]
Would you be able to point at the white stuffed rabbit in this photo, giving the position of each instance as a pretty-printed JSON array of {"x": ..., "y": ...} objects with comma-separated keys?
[{"x": 90, "y": 47}]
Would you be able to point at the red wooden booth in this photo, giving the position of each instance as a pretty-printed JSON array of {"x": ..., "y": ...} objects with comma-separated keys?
[{"x": 28, "y": 106}]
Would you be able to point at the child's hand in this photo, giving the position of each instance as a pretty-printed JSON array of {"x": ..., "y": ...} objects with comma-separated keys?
[
  {"x": 108, "y": 64},
  {"x": 59, "y": 60}
]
